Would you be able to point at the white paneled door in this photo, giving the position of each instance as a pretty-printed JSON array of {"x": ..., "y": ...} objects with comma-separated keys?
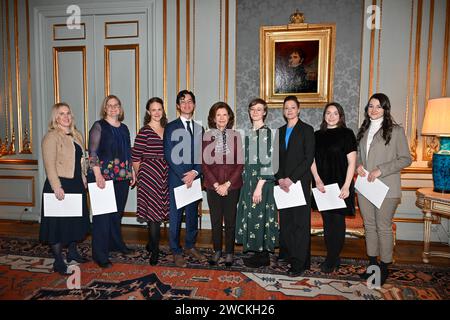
[{"x": 111, "y": 50}]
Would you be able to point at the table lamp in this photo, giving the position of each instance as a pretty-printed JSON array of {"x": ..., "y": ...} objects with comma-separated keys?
[{"x": 437, "y": 123}]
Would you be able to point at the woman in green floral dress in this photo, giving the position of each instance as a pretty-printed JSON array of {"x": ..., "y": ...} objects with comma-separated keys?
[{"x": 257, "y": 220}]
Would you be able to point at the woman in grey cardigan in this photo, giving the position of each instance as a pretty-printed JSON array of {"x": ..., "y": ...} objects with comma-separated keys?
[{"x": 383, "y": 151}]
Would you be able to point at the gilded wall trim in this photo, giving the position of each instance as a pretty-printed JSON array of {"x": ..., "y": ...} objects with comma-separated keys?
[
  {"x": 193, "y": 45},
  {"x": 379, "y": 47},
  {"x": 416, "y": 170},
  {"x": 414, "y": 117},
  {"x": 220, "y": 49},
  {"x": 178, "y": 46},
  {"x": 18, "y": 85},
  {"x": 235, "y": 59},
  {"x": 18, "y": 162},
  {"x": 122, "y": 22},
  {"x": 68, "y": 39},
  {"x": 30, "y": 109},
  {"x": 165, "y": 54},
  {"x": 408, "y": 84},
  {"x": 445, "y": 56},
  {"x": 3, "y": 97},
  {"x": 20, "y": 204},
  {"x": 371, "y": 56},
  {"x": 9, "y": 82},
  {"x": 429, "y": 144},
  {"x": 188, "y": 43},
  {"x": 82, "y": 49},
  {"x": 408, "y": 220},
  {"x": 120, "y": 47},
  {"x": 227, "y": 30}
]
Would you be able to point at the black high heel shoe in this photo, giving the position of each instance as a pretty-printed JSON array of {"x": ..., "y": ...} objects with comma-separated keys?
[
  {"x": 62, "y": 269},
  {"x": 78, "y": 259},
  {"x": 154, "y": 258},
  {"x": 229, "y": 260},
  {"x": 327, "y": 267},
  {"x": 215, "y": 258}
]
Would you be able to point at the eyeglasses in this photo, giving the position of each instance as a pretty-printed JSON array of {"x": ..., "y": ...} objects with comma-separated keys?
[
  {"x": 113, "y": 106},
  {"x": 186, "y": 102}
]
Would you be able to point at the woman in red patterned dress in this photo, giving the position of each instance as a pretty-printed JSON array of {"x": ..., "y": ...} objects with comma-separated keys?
[{"x": 152, "y": 170}]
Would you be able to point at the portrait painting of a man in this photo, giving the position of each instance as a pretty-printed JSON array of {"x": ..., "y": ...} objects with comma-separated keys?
[{"x": 296, "y": 67}]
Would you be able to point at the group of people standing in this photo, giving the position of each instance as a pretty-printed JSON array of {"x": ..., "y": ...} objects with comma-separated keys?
[{"x": 238, "y": 175}]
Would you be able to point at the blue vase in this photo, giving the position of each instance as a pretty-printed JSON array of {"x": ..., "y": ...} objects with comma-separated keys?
[{"x": 441, "y": 172}]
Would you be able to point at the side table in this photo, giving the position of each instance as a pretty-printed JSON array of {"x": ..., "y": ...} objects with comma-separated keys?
[{"x": 432, "y": 203}]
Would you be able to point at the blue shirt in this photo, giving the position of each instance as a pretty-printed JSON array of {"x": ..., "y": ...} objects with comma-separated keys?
[{"x": 288, "y": 135}]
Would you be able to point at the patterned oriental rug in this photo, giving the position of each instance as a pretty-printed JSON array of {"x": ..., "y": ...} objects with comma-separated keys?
[{"x": 26, "y": 273}]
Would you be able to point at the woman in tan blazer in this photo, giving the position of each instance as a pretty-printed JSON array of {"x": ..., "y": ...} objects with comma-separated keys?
[
  {"x": 62, "y": 152},
  {"x": 383, "y": 151}
]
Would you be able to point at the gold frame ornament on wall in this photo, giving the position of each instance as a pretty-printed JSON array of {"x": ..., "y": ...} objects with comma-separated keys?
[{"x": 297, "y": 59}]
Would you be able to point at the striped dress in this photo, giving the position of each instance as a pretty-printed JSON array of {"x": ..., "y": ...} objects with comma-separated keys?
[{"x": 152, "y": 178}]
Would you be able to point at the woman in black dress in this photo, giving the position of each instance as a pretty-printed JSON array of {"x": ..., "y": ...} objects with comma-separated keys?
[
  {"x": 64, "y": 164},
  {"x": 334, "y": 162}
]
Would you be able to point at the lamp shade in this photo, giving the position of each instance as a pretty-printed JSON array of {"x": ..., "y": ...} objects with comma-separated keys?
[{"x": 437, "y": 118}]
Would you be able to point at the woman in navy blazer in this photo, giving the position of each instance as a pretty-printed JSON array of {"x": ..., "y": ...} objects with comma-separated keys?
[
  {"x": 222, "y": 168},
  {"x": 295, "y": 156}
]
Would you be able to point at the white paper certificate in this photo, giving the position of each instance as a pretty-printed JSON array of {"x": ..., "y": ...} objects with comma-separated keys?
[
  {"x": 293, "y": 198},
  {"x": 185, "y": 196},
  {"x": 70, "y": 206},
  {"x": 103, "y": 201},
  {"x": 374, "y": 191},
  {"x": 330, "y": 199}
]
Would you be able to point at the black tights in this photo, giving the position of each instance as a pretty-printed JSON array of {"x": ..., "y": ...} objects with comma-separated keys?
[
  {"x": 154, "y": 229},
  {"x": 334, "y": 234},
  {"x": 57, "y": 252}
]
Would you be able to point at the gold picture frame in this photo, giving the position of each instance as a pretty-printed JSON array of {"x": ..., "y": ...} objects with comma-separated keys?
[{"x": 297, "y": 59}]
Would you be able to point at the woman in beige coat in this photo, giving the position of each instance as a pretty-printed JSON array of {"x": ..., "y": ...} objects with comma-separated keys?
[
  {"x": 383, "y": 152},
  {"x": 62, "y": 152}
]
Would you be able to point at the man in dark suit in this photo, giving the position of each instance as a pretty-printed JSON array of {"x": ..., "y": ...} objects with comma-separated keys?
[
  {"x": 295, "y": 150},
  {"x": 182, "y": 151}
]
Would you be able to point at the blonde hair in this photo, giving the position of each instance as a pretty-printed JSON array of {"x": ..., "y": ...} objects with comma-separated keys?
[
  {"x": 53, "y": 124},
  {"x": 103, "y": 113}
]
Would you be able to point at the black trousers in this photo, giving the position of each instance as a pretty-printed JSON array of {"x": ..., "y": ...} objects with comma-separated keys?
[
  {"x": 106, "y": 228},
  {"x": 223, "y": 209},
  {"x": 295, "y": 234},
  {"x": 334, "y": 235}
]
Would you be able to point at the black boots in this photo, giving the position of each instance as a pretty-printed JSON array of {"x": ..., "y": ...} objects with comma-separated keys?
[
  {"x": 259, "y": 259},
  {"x": 73, "y": 254},
  {"x": 153, "y": 242},
  {"x": 154, "y": 258},
  {"x": 384, "y": 272},
  {"x": 372, "y": 262},
  {"x": 215, "y": 258},
  {"x": 329, "y": 266}
]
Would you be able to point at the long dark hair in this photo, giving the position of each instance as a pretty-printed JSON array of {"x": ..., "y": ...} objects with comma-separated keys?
[
  {"x": 148, "y": 117},
  {"x": 388, "y": 121},
  {"x": 212, "y": 114},
  {"x": 341, "y": 122}
]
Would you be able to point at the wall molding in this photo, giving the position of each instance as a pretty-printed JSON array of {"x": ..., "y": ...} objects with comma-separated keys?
[
  {"x": 82, "y": 49},
  {"x": 122, "y": 47},
  {"x": 16, "y": 203}
]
